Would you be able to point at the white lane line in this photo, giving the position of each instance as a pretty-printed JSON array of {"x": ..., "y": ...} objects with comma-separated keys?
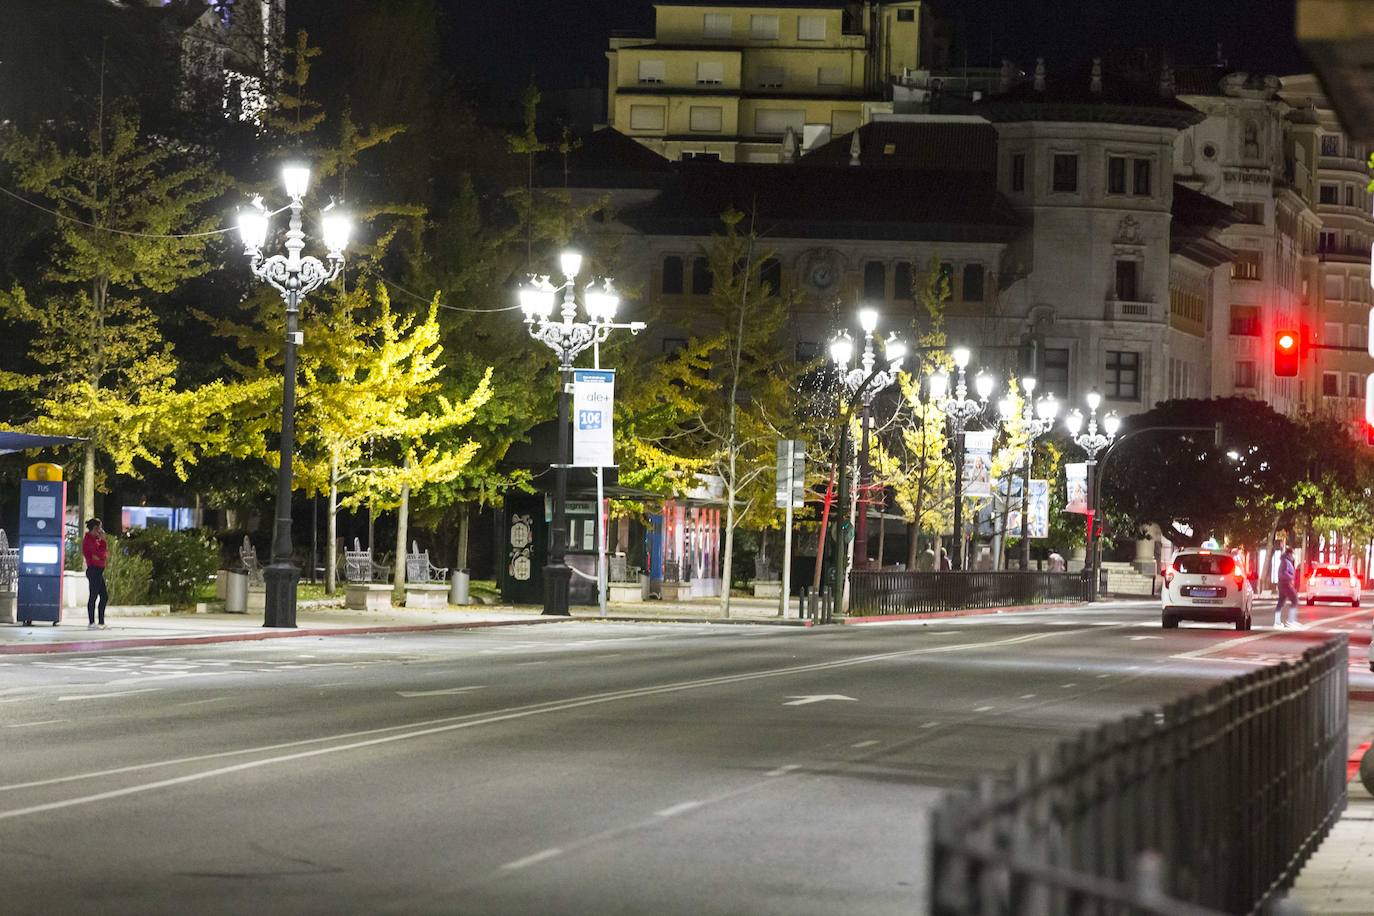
[
  {"x": 107, "y": 696},
  {"x": 679, "y": 808},
  {"x": 532, "y": 860},
  {"x": 392, "y": 733},
  {"x": 435, "y": 693},
  {"x": 1068, "y": 685},
  {"x": 984, "y": 708},
  {"x": 864, "y": 744},
  {"x": 32, "y": 724},
  {"x": 1027, "y": 696},
  {"x": 1101, "y": 676},
  {"x": 1139, "y": 638},
  {"x": 202, "y": 702},
  {"x": 1232, "y": 643},
  {"x": 783, "y": 770}
]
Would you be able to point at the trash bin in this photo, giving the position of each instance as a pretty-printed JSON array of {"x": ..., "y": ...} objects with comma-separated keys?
[
  {"x": 458, "y": 587},
  {"x": 236, "y": 592}
]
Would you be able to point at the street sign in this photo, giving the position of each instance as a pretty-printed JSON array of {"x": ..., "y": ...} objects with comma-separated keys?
[{"x": 790, "y": 491}]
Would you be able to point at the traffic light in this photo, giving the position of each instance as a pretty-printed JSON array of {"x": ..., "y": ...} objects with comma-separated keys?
[{"x": 1286, "y": 353}]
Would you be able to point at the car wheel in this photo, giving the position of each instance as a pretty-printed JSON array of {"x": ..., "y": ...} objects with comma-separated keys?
[
  {"x": 1170, "y": 622},
  {"x": 1354, "y": 602},
  {"x": 1243, "y": 623},
  {"x": 1311, "y": 601}
]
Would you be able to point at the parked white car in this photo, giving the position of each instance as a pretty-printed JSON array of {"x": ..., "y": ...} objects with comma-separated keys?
[
  {"x": 1207, "y": 585},
  {"x": 1334, "y": 583}
]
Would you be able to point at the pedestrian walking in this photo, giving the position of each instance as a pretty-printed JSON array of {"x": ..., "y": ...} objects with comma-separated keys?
[
  {"x": 945, "y": 564},
  {"x": 1057, "y": 563},
  {"x": 1288, "y": 591},
  {"x": 96, "y": 551}
]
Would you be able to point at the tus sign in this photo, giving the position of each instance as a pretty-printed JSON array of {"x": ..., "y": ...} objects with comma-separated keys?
[{"x": 593, "y": 409}]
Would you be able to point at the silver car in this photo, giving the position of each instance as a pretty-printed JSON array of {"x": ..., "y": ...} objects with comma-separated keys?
[
  {"x": 1207, "y": 585},
  {"x": 1334, "y": 583}
]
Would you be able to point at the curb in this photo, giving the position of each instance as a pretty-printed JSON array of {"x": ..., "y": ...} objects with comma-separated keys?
[
  {"x": 96, "y": 645},
  {"x": 971, "y": 612}
]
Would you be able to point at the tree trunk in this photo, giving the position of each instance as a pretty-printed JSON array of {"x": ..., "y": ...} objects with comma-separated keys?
[
  {"x": 87, "y": 485},
  {"x": 882, "y": 536},
  {"x": 1269, "y": 553},
  {"x": 331, "y": 527},
  {"x": 913, "y": 537},
  {"x": 398, "y": 578},
  {"x": 464, "y": 525},
  {"x": 727, "y": 561}
]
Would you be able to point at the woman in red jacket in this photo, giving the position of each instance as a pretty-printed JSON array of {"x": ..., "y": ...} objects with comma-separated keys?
[{"x": 96, "y": 551}]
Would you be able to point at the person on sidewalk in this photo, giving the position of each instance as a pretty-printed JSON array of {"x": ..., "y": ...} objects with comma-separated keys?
[
  {"x": 1288, "y": 591},
  {"x": 96, "y": 551},
  {"x": 945, "y": 565}
]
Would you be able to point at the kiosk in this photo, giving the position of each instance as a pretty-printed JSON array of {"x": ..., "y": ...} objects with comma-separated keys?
[{"x": 42, "y": 511}]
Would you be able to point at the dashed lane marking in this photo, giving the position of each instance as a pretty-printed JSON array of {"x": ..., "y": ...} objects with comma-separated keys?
[
  {"x": 532, "y": 860},
  {"x": 106, "y": 696},
  {"x": 783, "y": 770},
  {"x": 864, "y": 744},
  {"x": 436, "y": 693},
  {"x": 32, "y": 724},
  {"x": 679, "y": 808}
]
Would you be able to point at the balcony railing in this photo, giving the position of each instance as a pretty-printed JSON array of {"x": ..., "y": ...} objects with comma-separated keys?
[{"x": 1130, "y": 310}]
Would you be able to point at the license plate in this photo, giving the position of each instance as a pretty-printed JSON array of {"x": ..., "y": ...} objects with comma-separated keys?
[
  {"x": 1200, "y": 592},
  {"x": 1208, "y": 600},
  {"x": 1334, "y": 583}
]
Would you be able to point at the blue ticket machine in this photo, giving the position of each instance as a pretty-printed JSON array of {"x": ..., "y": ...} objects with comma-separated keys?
[{"x": 42, "y": 510}]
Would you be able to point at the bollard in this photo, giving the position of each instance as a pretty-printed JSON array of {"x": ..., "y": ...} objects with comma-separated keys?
[{"x": 458, "y": 587}]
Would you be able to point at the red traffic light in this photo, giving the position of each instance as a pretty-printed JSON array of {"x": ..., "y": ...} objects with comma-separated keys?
[{"x": 1286, "y": 355}]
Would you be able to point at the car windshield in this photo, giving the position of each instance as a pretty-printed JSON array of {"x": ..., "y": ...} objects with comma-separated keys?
[
  {"x": 1333, "y": 573},
  {"x": 1205, "y": 564}
]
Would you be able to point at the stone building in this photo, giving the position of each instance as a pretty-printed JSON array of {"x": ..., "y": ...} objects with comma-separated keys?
[{"x": 231, "y": 55}]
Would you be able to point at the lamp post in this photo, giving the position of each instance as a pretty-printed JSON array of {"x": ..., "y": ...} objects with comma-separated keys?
[
  {"x": 858, "y": 383},
  {"x": 567, "y": 338},
  {"x": 961, "y": 410},
  {"x": 895, "y": 351},
  {"x": 1036, "y": 420},
  {"x": 1093, "y": 443},
  {"x": 294, "y": 277}
]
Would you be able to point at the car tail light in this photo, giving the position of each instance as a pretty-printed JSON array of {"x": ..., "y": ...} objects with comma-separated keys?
[{"x": 1240, "y": 581}]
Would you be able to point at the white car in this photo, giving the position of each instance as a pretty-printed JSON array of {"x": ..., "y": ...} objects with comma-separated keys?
[
  {"x": 1334, "y": 583},
  {"x": 1206, "y": 585}
]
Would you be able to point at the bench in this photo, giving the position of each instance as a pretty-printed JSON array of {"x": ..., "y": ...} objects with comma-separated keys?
[
  {"x": 360, "y": 567},
  {"x": 248, "y": 557},
  {"x": 419, "y": 570}
]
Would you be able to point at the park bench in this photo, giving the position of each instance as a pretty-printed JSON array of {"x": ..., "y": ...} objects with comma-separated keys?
[
  {"x": 418, "y": 568},
  {"x": 248, "y": 557},
  {"x": 360, "y": 567}
]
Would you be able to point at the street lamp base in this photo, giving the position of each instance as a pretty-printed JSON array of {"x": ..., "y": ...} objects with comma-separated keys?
[
  {"x": 557, "y": 579},
  {"x": 280, "y": 600}
]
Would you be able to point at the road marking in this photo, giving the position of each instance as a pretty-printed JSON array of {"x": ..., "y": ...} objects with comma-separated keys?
[
  {"x": 1232, "y": 643},
  {"x": 984, "y": 709},
  {"x": 1101, "y": 676},
  {"x": 818, "y": 698},
  {"x": 865, "y": 744},
  {"x": 32, "y": 724},
  {"x": 783, "y": 770},
  {"x": 1139, "y": 638},
  {"x": 531, "y": 860},
  {"x": 200, "y": 702},
  {"x": 107, "y": 696},
  {"x": 679, "y": 808},
  {"x": 929, "y": 724},
  {"x": 392, "y": 733},
  {"x": 1027, "y": 696},
  {"x": 435, "y": 693},
  {"x": 1068, "y": 685}
]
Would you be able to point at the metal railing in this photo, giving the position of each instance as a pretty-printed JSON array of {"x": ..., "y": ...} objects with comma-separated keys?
[
  {"x": 1227, "y": 792},
  {"x": 873, "y": 592}
]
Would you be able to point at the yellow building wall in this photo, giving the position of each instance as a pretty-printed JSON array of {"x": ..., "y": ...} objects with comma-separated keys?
[
  {"x": 901, "y": 40},
  {"x": 677, "y": 114},
  {"x": 680, "y": 67},
  {"x": 814, "y": 111},
  {"x": 801, "y": 70},
  {"x": 685, "y": 24}
]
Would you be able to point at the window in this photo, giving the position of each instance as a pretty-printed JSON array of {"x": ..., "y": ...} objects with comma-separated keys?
[
  {"x": 706, "y": 118},
  {"x": 1245, "y": 373},
  {"x": 1054, "y": 371},
  {"x": 1332, "y": 333},
  {"x": 701, "y": 154},
  {"x": 1205, "y": 564},
  {"x": 651, "y": 71},
  {"x": 1331, "y": 145},
  {"x": 763, "y": 27},
  {"x": 1245, "y": 320},
  {"x": 1352, "y": 385},
  {"x": 1328, "y": 241},
  {"x": 710, "y": 73},
  {"x": 875, "y": 281},
  {"x": 811, "y": 28},
  {"x": 906, "y": 15},
  {"x": 1246, "y": 266},
  {"x": 947, "y": 276},
  {"x": 777, "y": 120},
  {"x": 1253, "y": 211},
  {"x": 717, "y": 25},
  {"x": 1018, "y": 172},
  {"x": 1123, "y": 375},
  {"x": 973, "y": 282},
  {"x": 1140, "y": 178},
  {"x": 646, "y": 117},
  {"x": 1128, "y": 281},
  {"x": 1350, "y": 195},
  {"x": 770, "y": 77},
  {"x": 1328, "y": 194},
  {"x": 901, "y": 281},
  {"x": 1116, "y": 175},
  {"x": 702, "y": 280},
  {"x": 1331, "y": 384},
  {"x": 1065, "y": 172},
  {"x": 672, "y": 275},
  {"x": 830, "y": 76},
  {"x": 1356, "y": 336},
  {"x": 770, "y": 275}
]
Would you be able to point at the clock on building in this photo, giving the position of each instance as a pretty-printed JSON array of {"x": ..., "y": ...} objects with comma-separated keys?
[{"x": 821, "y": 270}]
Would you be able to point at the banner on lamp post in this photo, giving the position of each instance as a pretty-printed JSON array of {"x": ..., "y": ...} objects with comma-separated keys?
[
  {"x": 593, "y": 408},
  {"x": 978, "y": 463},
  {"x": 1076, "y": 476},
  {"x": 1039, "y": 506}
]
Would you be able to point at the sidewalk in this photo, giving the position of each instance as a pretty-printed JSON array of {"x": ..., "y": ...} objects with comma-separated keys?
[{"x": 1339, "y": 878}]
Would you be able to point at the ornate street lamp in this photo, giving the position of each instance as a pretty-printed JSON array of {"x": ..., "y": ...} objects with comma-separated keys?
[
  {"x": 567, "y": 338},
  {"x": 895, "y": 351},
  {"x": 961, "y": 410},
  {"x": 860, "y": 385},
  {"x": 1036, "y": 420},
  {"x": 294, "y": 277},
  {"x": 1093, "y": 443}
]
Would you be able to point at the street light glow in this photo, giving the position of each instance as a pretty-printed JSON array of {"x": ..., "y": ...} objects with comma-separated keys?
[
  {"x": 602, "y": 303},
  {"x": 983, "y": 384},
  {"x": 253, "y": 228},
  {"x": 1007, "y": 408},
  {"x": 571, "y": 262},
  {"x": 1111, "y": 423},
  {"x": 335, "y": 227},
  {"x": 1028, "y": 385},
  {"x": 536, "y": 299},
  {"x": 1094, "y": 400},
  {"x": 1074, "y": 422},
  {"x": 939, "y": 386},
  {"x": 1047, "y": 408},
  {"x": 868, "y": 319},
  {"x": 295, "y": 178},
  {"x": 895, "y": 350},
  {"x": 842, "y": 350},
  {"x": 961, "y": 356}
]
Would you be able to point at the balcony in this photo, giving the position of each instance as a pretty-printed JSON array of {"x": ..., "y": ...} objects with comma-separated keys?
[
  {"x": 1344, "y": 253},
  {"x": 1130, "y": 310}
]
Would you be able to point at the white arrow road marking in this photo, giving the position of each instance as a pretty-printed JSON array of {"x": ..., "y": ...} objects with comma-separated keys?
[
  {"x": 820, "y": 698},
  {"x": 434, "y": 693},
  {"x": 106, "y": 696}
]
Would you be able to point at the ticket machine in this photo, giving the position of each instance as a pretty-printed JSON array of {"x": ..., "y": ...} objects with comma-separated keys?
[{"x": 42, "y": 511}]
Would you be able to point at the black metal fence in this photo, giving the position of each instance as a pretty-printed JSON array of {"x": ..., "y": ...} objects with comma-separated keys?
[
  {"x": 875, "y": 592},
  {"x": 1228, "y": 792}
]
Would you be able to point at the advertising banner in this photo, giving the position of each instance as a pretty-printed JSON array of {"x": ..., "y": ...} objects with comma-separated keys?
[
  {"x": 1039, "y": 505},
  {"x": 1076, "y": 475},
  {"x": 593, "y": 407},
  {"x": 978, "y": 463}
]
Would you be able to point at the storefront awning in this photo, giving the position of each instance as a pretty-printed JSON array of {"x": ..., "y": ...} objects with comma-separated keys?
[{"x": 19, "y": 442}]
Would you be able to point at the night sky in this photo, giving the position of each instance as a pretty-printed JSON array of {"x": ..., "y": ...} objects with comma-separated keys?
[{"x": 563, "y": 41}]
